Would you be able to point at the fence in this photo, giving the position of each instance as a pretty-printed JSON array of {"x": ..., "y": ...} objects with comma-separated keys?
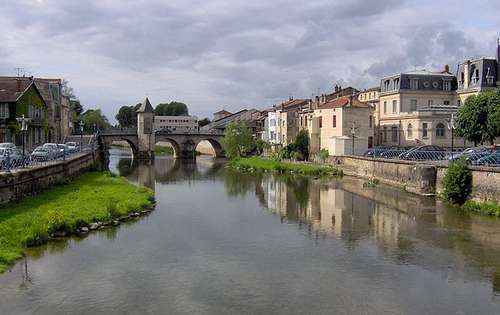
[
  {"x": 485, "y": 157},
  {"x": 8, "y": 163}
]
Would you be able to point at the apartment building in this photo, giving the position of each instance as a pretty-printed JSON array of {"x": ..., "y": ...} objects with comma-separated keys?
[
  {"x": 285, "y": 121},
  {"x": 332, "y": 125},
  {"x": 176, "y": 123}
]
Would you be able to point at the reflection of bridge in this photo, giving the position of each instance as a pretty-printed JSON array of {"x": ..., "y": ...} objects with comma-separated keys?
[{"x": 143, "y": 139}]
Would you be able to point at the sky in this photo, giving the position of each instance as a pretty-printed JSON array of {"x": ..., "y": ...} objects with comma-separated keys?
[{"x": 235, "y": 54}]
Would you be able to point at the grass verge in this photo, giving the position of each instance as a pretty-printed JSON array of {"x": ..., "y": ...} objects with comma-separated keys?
[
  {"x": 91, "y": 197},
  {"x": 163, "y": 150},
  {"x": 255, "y": 163},
  {"x": 487, "y": 208}
]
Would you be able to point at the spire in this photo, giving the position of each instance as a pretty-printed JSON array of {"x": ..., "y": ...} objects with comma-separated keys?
[{"x": 145, "y": 107}]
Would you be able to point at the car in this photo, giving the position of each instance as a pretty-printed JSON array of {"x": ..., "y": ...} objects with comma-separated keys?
[
  {"x": 423, "y": 153},
  {"x": 394, "y": 152},
  {"x": 375, "y": 151},
  {"x": 42, "y": 154},
  {"x": 56, "y": 152},
  {"x": 492, "y": 159},
  {"x": 64, "y": 149},
  {"x": 9, "y": 145},
  {"x": 73, "y": 146},
  {"x": 10, "y": 157}
]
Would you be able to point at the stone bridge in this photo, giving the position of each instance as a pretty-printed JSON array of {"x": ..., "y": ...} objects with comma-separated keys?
[{"x": 143, "y": 139}]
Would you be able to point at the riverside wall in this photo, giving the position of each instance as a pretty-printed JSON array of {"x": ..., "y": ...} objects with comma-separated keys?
[
  {"x": 20, "y": 183},
  {"x": 418, "y": 177}
]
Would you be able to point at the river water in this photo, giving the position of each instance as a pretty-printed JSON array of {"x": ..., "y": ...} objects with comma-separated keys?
[{"x": 222, "y": 242}]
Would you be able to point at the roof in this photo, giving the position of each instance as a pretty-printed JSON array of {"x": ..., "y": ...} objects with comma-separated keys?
[
  {"x": 291, "y": 104},
  {"x": 11, "y": 88},
  {"x": 376, "y": 88},
  {"x": 145, "y": 107},
  {"x": 344, "y": 101},
  {"x": 225, "y": 112},
  {"x": 425, "y": 72}
]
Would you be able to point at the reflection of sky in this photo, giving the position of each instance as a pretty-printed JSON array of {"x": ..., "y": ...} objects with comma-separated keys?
[{"x": 201, "y": 252}]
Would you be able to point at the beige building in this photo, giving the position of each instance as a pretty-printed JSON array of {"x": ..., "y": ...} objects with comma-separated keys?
[
  {"x": 176, "y": 123},
  {"x": 286, "y": 116},
  {"x": 331, "y": 124}
]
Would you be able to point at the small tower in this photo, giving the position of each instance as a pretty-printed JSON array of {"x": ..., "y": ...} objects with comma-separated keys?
[{"x": 145, "y": 130}]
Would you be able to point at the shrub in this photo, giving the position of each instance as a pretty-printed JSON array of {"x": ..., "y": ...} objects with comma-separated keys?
[
  {"x": 323, "y": 155},
  {"x": 302, "y": 144},
  {"x": 458, "y": 182},
  {"x": 488, "y": 208}
]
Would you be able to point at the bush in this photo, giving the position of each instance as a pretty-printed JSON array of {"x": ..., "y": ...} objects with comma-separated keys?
[
  {"x": 323, "y": 155},
  {"x": 458, "y": 182},
  {"x": 487, "y": 208},
  {"x": 302, "y": 144}
]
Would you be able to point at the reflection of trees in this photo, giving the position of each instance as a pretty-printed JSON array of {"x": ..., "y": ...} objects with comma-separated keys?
[
  {"x": 126, "y": 166},
  {"x": 299, "y": 186},
  {"x": 238, "y": 183}
]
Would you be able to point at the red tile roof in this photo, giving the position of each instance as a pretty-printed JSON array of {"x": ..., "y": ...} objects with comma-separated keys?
[{"x": 343, "y": 101}]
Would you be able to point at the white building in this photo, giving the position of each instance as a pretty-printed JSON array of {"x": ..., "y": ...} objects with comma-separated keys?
[
  {"x": 271, "y": 122},
  {"x": 176, "y": 123}
]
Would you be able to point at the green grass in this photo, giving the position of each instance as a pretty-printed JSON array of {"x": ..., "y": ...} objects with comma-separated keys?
[
  {"x": 254, "y": 163},
  {"x": 487, "y": 208},
  {"x": 163, "y": 150},
  {"x": 91, "y": 197}
]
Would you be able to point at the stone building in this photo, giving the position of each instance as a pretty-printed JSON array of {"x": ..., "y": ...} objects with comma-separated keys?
[
  {"x": 18, "y": 97},
  {"x": 176, "y": 123},
  {"x": 286, "y": 120}
]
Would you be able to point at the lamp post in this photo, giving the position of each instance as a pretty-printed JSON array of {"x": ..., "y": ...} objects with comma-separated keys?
[
  {"x": 81, "y": 124},
  {"x": 451, "y": 126},
  {"x": 23, "y": 125},
  {"x": 353, "y": 134}
]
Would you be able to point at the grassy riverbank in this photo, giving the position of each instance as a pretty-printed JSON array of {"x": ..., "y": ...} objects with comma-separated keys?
[
  {"x": 255, "y": 163},
  {"x": 163, "y": 150},
  {"x": 491, "y": 208},
  {"x": 92, "y": 197}
]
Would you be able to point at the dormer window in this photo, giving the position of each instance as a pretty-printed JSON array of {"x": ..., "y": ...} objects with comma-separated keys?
[
  {"x": 475, "y": 79},
  {"x": 396, "y": 83},
  {"x": 446, "y": 85},
  {"x": 414, "y": 84},
  {"x": 386, "y": 85}
]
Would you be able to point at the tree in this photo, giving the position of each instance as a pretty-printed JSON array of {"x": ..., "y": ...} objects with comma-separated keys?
[
  {"x": 477, "y": 119},
  {"x": 238, "y": 140},
  {"x": 302, "y": 144},
  {"x": 171, "y": 109},
  {"x": 127, "y": 116},
  {"x": 203, "y": 122},
  {"x": 458, "y": 182},
  {"x": 94, "y": 118},
  {"x": 67, "y": 90}
]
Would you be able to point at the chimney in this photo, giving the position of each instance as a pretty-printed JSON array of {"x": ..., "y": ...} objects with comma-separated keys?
[
  {"x": 317, "y": 101},
  {"x": 18, "y": 81},
  {"x": 446, "y": 69},
  {"x": 336, "y": 89},
  {"x": 466, "y": 74},
  {"x": 290, "y": 98}
]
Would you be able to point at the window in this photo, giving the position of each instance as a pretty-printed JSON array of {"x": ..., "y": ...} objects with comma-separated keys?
[
  {"x": 413, "y": 105},
  {"x": 459, "y": 102},
  {"x": 305, "y": 121},
  {"x": 334, "y": 121},
  {"x": 385, "y": 134},
  {"x": 440, "y": 130},
  {"x": 386, "y": 85},
  {"x": 370, "y": 121},
  {"x": 4, "y": 110},
  {"x": 396, "y": 83},
  {"x": 385, "y": 107},
  {"x": 321, "y": 121},
  {"x": 447, "y": 85},
  {"x": 462, "y": 78},
  {"x": 394, "y": 106},
  {"x": 446, "y": 102},
  {"x": 410, "y": 131},
  {"x": 414, "y": 84},
  {"x": 394, "y": 134},
  {"x": 424, "y": 130},
  {"x": 430, "y": 102},
  {"x": 475, "y": 79}
]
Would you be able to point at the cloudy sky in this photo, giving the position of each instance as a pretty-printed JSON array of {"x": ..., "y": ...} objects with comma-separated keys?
[{"x": 235, "y": 54}]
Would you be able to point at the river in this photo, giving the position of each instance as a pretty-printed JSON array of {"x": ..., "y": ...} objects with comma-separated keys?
[{"x": 222, "y": 242}]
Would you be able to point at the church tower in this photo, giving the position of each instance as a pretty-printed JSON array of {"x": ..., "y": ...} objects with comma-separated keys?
[{"x": 145, "y": 130}]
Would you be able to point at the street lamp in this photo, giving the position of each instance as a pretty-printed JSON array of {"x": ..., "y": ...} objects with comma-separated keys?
[
  {"x": 23, "y": 125},
  {"x": 452, "y": 126},
  {"x": 353, "y": 134},
  {"x": 81, "y": 124}
]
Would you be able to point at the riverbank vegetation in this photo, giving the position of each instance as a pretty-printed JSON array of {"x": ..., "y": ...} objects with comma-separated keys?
[
  {"x": 255, "y": 163},
  {"x": 486, "y": 208},
  {"x": 92, "y": 197},
  {"x": 163, "y": 150}
]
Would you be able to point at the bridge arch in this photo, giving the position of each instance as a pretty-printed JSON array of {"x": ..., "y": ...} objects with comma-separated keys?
[
  {"x": 175, "y": 145},
  {"x": 216, "y": 145},
  {"x": 108, "y": 142}
]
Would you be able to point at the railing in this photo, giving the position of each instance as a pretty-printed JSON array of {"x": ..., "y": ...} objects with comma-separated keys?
[
  {"x": 489, "y": 158},
  {"x": 9, "y": 163}
]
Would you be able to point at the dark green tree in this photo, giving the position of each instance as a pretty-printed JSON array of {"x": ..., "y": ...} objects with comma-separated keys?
[
  {"x": 238, "y": 140},
  {"x": 477, "y": 119},
  {"x": 302, "y": 144},
  {"x": 94, "y": 118},
  {"x": 458, "y": 182},
  {"x": 203, "y": 122},
  {"x": 127, "y": 116},
  {"x": 171, "y": 109}
]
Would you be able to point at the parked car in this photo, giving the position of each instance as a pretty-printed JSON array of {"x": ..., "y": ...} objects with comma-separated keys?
[
  {"x": 56, "y": 152},
  {"x": 376, "y": 151},
  {"x": 11, "y": 156},
  {"x": 73, "y": 146},
  {"x": 63, "y": 149},
  {"x": 424, "y": 152},
  {"x": 43, "y": 154},
  {"x": 7, "y": 145},
  {"x": 394, "y": 152},
  {"x": 492, "y": 159}
]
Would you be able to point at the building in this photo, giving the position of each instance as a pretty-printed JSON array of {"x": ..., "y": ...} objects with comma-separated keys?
[
  {"x": 18, "y": 97},
  {"x": 371, "y": 96},
  {"x": 331, "y": 124},
  {"x": 176, "y": 123},
  {"x": 66, "y": 117},
  {"x": 415, "y": 108},
  {"x": 221, "y": 114},
  {"x": 286, "y": 121}
]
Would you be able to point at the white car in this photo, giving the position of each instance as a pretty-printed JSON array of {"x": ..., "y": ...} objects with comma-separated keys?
[{"x": 7, "y": 145}]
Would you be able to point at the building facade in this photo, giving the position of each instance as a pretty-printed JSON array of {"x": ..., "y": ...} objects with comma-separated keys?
[
  {"x": 20, "y": 97},
  {"x": 176, "y": 123}
]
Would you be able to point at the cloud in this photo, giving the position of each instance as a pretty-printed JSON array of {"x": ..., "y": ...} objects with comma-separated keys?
[{"x": 233, "y": 54}]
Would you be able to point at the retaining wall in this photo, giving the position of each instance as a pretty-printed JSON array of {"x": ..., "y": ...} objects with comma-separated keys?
[{"x": 18, "y": 184}]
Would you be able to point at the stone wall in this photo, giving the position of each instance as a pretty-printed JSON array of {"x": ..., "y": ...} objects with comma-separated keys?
[
  {"x": 417, "y": 177},
  {"x": 18, "y": 184},
  {"x": 485, "y": 182}
]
